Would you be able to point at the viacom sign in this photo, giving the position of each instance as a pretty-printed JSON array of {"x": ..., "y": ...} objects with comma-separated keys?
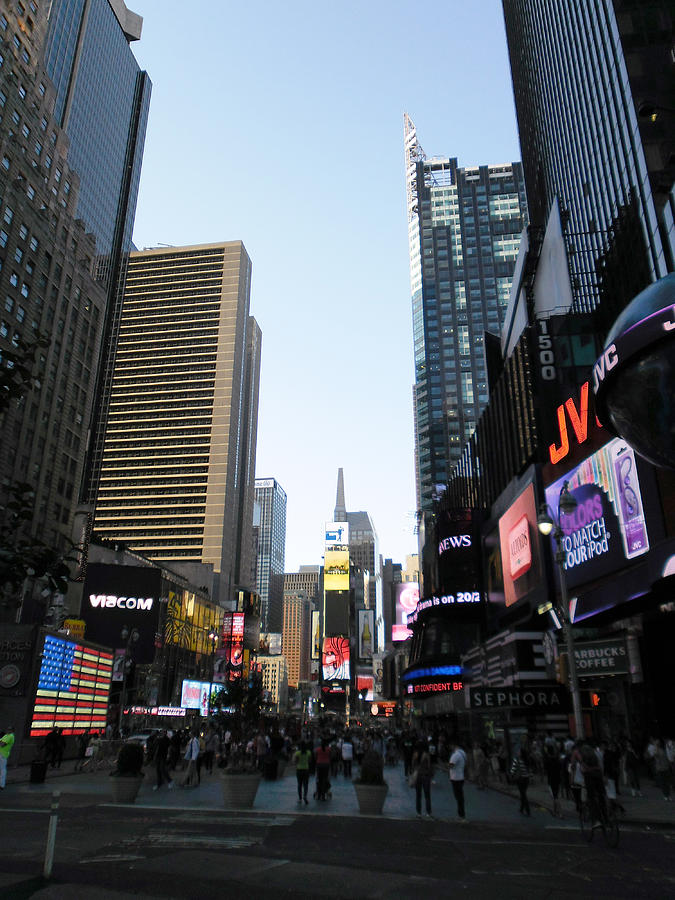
[{"x": 112, "y": 601}]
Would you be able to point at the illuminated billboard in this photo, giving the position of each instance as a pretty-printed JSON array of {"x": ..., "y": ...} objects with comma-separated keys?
[
  {"x": 335, "y": 659},
  {"x": 73, "y": 688},
  {"x": 117, "y": 597},
  {"x": 316, "y": 635},
  {"x": 608, "y": 526},
  {"x": 229, "y": 657},
  {"x": 336, "y": 570},
  {"x": 337, "y": 535},
  {"x": 521, "y": 567},
  {"x": 366, "y": 634},
  {"x": 407, "y": 597}
]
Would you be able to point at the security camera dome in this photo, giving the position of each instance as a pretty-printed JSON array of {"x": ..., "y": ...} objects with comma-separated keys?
[{"x": 634, "y": 378}]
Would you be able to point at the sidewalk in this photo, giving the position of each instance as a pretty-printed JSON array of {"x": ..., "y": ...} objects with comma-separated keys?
[
  {"x": 495, "y": 804},
  {"x": 649, "y": 810}
]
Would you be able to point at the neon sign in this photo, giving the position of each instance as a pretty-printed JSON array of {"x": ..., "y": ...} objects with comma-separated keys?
[{"x": 578, "y": 417}]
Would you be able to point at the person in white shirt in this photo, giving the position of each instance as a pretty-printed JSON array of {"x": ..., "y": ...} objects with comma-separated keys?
[
  {"x": 191, "y": 754},
  {"x": 347, "y": 756},
  {"x": 457, "y": 765}
]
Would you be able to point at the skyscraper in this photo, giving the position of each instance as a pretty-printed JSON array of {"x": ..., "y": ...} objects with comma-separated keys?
[
  {"x": 271, "y": 551},
  {"x": 464, "y": 228},
  {"x": 296, "y": 636},
  {"x": 593, "y": 86},
  {"x": 102, "y": 102},
  {"x": 179, "y": 455},
  {"x": 48, "y": 261}
]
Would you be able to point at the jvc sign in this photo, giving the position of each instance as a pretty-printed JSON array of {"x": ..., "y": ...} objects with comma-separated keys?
[{"x": 112, "y": 601}]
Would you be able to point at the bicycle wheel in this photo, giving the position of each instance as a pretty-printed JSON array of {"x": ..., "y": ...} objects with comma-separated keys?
[
  {"x": 610, "y": 830},
  {"x": 586, "y": 822}
]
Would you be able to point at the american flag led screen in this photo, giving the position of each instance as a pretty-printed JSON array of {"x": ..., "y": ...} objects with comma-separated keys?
[{"x": 73, "y": 688}]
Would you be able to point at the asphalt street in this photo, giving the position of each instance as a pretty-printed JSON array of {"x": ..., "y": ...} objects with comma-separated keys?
[{"x": 183, "y": 844}]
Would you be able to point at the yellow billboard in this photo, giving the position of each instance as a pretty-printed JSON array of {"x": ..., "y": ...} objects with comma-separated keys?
[{"x": 336, "y": 570}]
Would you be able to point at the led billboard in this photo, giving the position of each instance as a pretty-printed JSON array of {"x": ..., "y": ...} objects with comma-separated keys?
[
  {"x": 336, "y": 570},
  {"x": 337, "y": 535},
  {"x": 336, "y": 613},
  {"x": 316, "y": 635},
  {"x": 521, "y": 567},
  {"x": 366, "y": 633},
  {"x": 73, "y": 688},
  {"x": 117, "y": 597},
  {"x": 335, "y": 659},
  {"x": 407, "y": 596},
  {"x": 608, "y": 526}
]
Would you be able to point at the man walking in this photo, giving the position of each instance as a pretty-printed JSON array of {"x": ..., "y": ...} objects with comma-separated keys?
[
  {"x": 6, "y": 744},
  {"x": 162, "y": 745},
  {"x": 457, "y": 765},
  {"x": 347, "y": 756}
]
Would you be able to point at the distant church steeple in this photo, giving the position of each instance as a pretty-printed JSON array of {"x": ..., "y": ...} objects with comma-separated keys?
[{"x": 340, "y": 514}]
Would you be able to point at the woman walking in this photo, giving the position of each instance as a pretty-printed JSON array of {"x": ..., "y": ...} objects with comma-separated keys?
[
  {"x": 520, "y": 773},
  {"x": 421, "y": 764},
  {"x": 302, "y": 759}
]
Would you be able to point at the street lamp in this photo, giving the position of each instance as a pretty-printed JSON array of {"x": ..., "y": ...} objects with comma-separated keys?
[
  {"x": 547, "y": 523},
  {"x": 130, "y": 637},
  {"x": 213, "y": 640}
]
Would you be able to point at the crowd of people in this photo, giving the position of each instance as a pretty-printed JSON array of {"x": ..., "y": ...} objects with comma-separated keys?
[{"x": 181, "y": 756}]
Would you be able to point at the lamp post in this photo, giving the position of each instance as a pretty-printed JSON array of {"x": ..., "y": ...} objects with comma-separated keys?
[
  {"x": 213, "y": 640},
  {"x": 547, "y": 523},
  {"x": 130, "y": 637}
]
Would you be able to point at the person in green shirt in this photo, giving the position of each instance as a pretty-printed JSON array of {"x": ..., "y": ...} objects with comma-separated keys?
[
  {"x": 302, "y": 759},
  {"x": 6, "y": 744}
]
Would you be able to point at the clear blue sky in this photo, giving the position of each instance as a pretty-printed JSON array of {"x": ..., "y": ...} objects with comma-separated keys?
[{"x": 281, "y": 125}]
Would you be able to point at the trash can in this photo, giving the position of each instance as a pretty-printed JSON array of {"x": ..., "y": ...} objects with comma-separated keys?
[
  {"x": 270, "y": 769},
  {"x": 38, "y": 770}
]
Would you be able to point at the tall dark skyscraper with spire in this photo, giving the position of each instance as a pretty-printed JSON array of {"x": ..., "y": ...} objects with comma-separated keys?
[{"x": 464, "y": 228}]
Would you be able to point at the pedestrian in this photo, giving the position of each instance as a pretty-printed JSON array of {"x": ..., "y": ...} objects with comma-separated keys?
[
  {"x": 632, "y": 764},
  {"x": 260, "y": 746},
  {"x": 457, "y": 767},
  {"x": 302, "y": 759},
  {"x": 191, "y": 756},
  {"x": 421, "y": 767},
  {"x": 576, "y": 775},
  {"x": 662, "y": 772},
  {"x": 6, "y": 744},
  {"x": 211, "y": 745},
  {"x": 347, "y": 756},
  {"x": 408, "y": 750},
  {"x": 51, "y": 746},
  {"x": 482, "y": 765},
  {"x": 82, "y": 744},
  {"x": 520, "y": 773},
  {"x": 162, "y": 746},
  {"x": 322, "y": 756},
  {"x": 553, "y": 769}
]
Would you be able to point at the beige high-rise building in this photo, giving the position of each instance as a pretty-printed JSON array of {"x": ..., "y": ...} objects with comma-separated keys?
[
  {"x": 177, "y": 476},
  {"x": 296, "y": 636}
]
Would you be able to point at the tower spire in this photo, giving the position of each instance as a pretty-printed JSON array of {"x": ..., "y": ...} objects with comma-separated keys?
[{"x": 340, "y": 514}]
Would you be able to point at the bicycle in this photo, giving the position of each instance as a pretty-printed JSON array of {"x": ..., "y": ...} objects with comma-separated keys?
[{"x": 591, "y": 819}]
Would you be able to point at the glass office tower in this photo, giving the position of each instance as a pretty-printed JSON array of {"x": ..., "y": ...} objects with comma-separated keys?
[
  {"x": 464, "y": 227},
  {"x": 102, "y": 102},
  {"x": 584, "y": 75},
  {"x": 271, "y": 498}
]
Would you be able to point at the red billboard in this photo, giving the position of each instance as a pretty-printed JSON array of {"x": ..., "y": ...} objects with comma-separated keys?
[
  {"x": 519, "y": 544},
  {"x": 335, "y": 659}
]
